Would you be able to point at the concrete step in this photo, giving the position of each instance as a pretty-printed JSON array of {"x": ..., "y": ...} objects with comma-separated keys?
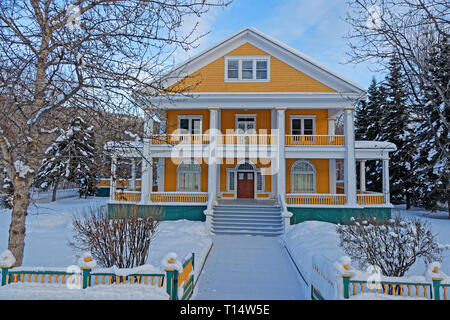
[
  {"x": 249, "y": 233},
  {"x": 250, "y": 218},
  {"x": 251, "y": 224},
  {"x": 242, "y": 212}
]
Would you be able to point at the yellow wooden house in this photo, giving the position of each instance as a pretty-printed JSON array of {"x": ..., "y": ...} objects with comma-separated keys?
[{"x": 255, "y": 135}]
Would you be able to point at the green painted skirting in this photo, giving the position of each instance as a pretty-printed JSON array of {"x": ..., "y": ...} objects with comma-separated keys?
[
  {"x": 102, "y": 192},
  {"x": 194, "y": 213},
  {"x": 337, "y": 215}
]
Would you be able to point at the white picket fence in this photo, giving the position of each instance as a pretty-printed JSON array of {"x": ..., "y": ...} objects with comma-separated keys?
[{"x": 46, "y": 196}]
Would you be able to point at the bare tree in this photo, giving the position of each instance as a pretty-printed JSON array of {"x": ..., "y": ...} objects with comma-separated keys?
[
  {"x": 393, "y": 246},
  {"x": 87, "y": 54},
  {"x": 123, "y": 242}
]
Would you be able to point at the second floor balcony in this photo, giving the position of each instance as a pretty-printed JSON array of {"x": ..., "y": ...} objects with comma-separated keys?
[{"x": 249, "y": 139}]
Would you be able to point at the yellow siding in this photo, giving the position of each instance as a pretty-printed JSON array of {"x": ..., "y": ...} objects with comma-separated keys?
[
  {"x": 283, "y": 78},
  {"x": 322, "y": 174}
]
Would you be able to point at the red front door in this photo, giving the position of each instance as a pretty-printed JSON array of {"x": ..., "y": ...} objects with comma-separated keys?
[{"x": 245, "y": 184}]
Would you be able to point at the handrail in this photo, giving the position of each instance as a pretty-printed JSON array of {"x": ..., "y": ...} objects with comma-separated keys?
[{"x": 315, "y": 140}]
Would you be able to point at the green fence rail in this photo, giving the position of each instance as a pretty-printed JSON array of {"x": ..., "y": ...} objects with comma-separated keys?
[{"x": 85, "y": 277}]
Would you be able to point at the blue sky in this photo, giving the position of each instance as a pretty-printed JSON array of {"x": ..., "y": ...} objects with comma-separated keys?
[{"x": 314, "y": 27}]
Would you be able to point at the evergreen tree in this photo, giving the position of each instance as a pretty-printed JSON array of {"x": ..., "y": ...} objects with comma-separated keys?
[
  {"x": 432, "y": 170},
  {"x": 70, "y": 157},
  {"x": 395, "y": 119},
  {"x": 368, "y": 126}
]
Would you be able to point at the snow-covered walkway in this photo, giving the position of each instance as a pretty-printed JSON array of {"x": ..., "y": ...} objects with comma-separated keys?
[{"x": 248, "y": 268}]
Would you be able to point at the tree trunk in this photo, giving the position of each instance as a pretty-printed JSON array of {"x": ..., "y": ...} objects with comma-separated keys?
[
  {"x": 55, "y": 189},
  {"x": 408, "y": 201},
  {"x": 16, "y": 241}
]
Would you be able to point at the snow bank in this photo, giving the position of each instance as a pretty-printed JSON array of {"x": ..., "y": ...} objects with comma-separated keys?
[{"x": 314, "y": 246}]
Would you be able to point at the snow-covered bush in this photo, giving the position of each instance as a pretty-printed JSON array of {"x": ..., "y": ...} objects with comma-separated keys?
[
  {"x": 393, "y": 245},
  {"x": 121, "y": 242}
]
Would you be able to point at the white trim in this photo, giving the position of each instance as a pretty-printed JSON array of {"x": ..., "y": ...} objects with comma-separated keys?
[
  {"x": 272, "y": 47},
  {"x": 312, "y": 117},
  {"x": 240, "y": 69},
  {"x": 199, "y": 175},
  {"x": 237, "y": 115},
  {"x": 190, "y": 117},
  {"x": 313, "y": 172}
]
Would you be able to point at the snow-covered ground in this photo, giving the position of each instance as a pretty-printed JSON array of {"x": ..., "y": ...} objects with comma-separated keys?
[
  {"x": 315, "y": 243},
  {"x": 49, "y": 230}
]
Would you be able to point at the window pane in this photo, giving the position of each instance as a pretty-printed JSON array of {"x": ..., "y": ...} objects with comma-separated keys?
[
  {"x": 247, "y": 69},
  {"x": 233, "y": 67},
  {"x": 233, "y": 64},
  {"x": 303, "y": 182},
  {"x": 308, "y": 123},
  {"x": 261, "y": 65},
  {"x": 231, "y": 181},
  {"x": 261, "y": 74},
  {"x": 184, "y": 124},
  {"x": 196, "y": 129},
  {"x": 259, "y": 181},
  {"x": 296, "y": 126}
]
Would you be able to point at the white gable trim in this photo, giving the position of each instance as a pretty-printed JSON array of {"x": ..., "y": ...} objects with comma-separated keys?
[{"x": 273, "y": 47}]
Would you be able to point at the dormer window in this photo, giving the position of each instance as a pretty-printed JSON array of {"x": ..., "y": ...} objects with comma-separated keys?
[{"x": 247, "y": 69}]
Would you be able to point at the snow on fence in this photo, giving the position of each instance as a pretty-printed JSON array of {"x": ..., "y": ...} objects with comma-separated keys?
[
  {"x": 174, "y": 274},
  {"x": 433, "y": 285}
]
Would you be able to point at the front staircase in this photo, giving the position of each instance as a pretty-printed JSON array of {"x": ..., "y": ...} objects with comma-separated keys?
[{"x": 255, "y": 220}]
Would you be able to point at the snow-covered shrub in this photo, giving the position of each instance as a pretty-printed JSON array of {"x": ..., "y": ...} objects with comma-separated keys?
[
  {"x": 121, "y": 242},
  {"x": 393, "y": 245}
]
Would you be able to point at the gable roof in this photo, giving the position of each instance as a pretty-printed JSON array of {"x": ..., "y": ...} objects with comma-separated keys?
[{"x": 275, "y": 48}]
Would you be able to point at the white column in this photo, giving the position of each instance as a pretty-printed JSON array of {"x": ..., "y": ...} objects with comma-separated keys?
[
  {"x": 147, "y": 163},
  {"x": 281, "y": 155},
  {"x": 386, "y": 191},
  {"x": 362, "y": 176},
  {"x": 133, "y": 175},
  {"x": 332, "y": 173},
  {"x": 349, "y": 160},
  {"x": 161, "y": 173},
  {"x": 112, "y": 184},
  {"x": 212, "y": 157},
  {"x": 273, "y": 157}
]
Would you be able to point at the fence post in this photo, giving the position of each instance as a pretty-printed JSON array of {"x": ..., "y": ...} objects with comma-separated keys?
[
  {"x": 436, "y": 288},
  {"x": 172, "y": 283},
  {"x": 346, "y": 282},
  {"x": 86, "y": 277},
  {"x": 4, "y": 271}
]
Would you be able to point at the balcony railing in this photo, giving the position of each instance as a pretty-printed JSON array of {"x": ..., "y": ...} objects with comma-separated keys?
[
  {"x": 370, "y": 198},
  {"x": 247, "y": 139},
  {"x": 314, "y": 140},
  {"x": 128, "y": 196},
  {"x": 315, "y": 199},
  {"x": 182, "y": 197}
]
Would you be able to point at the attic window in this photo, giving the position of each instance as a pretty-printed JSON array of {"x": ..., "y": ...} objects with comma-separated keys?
[{"x": 247, "y": 69}]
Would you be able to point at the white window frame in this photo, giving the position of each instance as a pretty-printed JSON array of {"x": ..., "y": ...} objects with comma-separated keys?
[
  {"x": 199, "y": 177},
  {"x": 303, "y": 117},
  {"x": 243, "y": 116},
  {"x": 314, "y": 172},
  {"x": 240, "y": 59},
  {"x": 190, "y": 117}
]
